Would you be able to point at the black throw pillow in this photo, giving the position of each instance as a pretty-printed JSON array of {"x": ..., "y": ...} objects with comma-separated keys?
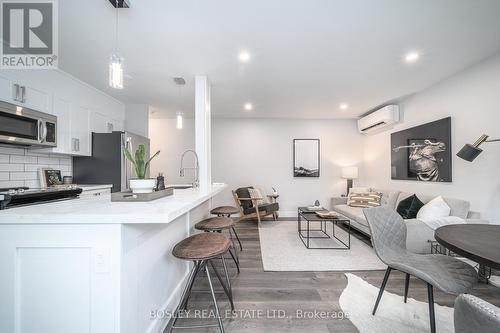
[{"x": 409, "y": 207}]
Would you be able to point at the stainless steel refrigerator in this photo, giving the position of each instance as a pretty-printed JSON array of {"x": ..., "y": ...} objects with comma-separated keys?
[{"x": 107, "y": 165}]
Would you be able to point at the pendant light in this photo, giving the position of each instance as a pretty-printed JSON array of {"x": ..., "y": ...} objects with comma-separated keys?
[
  {"x": 115, "y": 61},
  {"x": 180, "y": 82}
]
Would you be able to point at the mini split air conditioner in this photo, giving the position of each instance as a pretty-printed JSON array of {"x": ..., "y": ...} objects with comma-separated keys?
[{"x": 379, "y": 120}]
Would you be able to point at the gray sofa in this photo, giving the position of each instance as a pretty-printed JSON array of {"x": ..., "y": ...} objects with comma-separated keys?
[{"x": 419, "y": 234}]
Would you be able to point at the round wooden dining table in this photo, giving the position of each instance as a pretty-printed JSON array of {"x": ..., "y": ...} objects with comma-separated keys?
[{"x": 477, "y": 242}]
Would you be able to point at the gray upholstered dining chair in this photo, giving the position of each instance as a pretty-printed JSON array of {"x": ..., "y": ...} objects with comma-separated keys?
[
  {"x": 472, "y": 314},
  {"x": 446, "y": 273}
]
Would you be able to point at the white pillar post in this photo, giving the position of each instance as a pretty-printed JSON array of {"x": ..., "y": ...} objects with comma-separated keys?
[{"x": 203, "y": 135}]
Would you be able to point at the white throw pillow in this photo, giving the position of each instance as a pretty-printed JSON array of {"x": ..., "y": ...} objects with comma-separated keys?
[
  {"x": 434, "y": 209},
  {"x": 358, "y": 189},
  {"x": 255, "y": 193}
]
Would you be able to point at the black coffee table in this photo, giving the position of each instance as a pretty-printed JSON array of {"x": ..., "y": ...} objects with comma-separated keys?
[
  {"x": 318, "y": 225},
  {"x": 477, "y": 242}
]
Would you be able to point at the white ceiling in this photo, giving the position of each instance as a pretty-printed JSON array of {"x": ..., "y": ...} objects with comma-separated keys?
[{"x": 308, "y": 56}]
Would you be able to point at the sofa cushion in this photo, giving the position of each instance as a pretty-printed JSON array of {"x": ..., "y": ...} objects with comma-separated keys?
[
  {"x": 243, "y": 192},
  {"x": 364, "y": 200},
  {"x": 434, "y": 209},
  {"x": 352, "y": 213},
  {"x": 389, "y": 197},
  {"x": 409, "y": 207},
  {"x": 267, "y": 207},
  {"x": 458, "y": 207}
]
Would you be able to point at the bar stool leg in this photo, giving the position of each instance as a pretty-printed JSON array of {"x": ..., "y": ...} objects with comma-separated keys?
[
  {"x": 237, "y": 238},
  {"x": 236, "y": 260},
  {"x": 228, "y": 281},
  {"x": 227, "y": 289},
  {"x": 197, "y": 268},
  {"x": 219, "y": 319},
  {"x": 234, "y": 230},
  {"x": 184, "y": 296}
]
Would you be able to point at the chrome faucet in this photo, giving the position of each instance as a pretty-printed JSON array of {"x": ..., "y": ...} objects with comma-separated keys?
[{"x": 196, "y": 182}]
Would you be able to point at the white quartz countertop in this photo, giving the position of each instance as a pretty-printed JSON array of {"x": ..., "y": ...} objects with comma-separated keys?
[{"x": 102, "y": 211}]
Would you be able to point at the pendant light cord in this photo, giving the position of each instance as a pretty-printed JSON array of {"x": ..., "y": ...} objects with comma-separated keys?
[{"x": 116, "y": 29}]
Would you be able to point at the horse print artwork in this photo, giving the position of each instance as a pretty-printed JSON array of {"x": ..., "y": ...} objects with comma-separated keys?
[{"x": 422, "y": 153}]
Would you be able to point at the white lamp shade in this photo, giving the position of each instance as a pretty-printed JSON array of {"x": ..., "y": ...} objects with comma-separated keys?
[{"x": 350, "y": 172}]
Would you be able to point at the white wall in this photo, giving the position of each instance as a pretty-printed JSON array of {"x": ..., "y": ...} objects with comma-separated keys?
[
  {"x": 259, "y": 152},
  {"x": 137, "y": 119},
  {"x": 472, "y": 99},
  {"x": 172, "y": 142}
]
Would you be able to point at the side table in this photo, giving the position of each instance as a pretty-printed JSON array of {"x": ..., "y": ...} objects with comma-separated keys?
[{"x": 272, "y": 199}]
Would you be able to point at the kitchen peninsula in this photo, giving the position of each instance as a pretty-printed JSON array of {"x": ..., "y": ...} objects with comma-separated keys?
[{"x": 93, "y": 265}]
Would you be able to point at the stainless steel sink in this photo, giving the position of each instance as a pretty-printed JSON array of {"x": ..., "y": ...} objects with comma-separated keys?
[{"x": 180, "y": 187}]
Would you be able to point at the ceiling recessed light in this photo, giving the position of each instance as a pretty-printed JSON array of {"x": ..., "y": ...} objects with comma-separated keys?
[
  {"x": 244, "y": 56},
  {"x": 248, "y": 107},
  {"x": 343, "y": 106},
  {"x": 412, "y": 57}
]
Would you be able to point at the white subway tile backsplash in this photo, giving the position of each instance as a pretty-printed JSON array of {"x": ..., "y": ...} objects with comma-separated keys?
[
  {"x": 12, "y": 151},
  {"x": 11, "y": 183},
  {"x": 34, "y": 167},
  {"x": 19, "y": 167},
  {"x": 65, "y": 161},
  {"x": 23, "y": 175},
  {"x": 32, "y": 183},
  {"x": 35, "y": 153},
  {"x": 11, "y": 167},
  {"x": 23, "y": 159},
  {"x": 48, "y": 160}
]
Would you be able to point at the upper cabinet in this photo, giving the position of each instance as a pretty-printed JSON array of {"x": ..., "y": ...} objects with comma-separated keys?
[
  {"x": 16, "y": 92},
  {"x": 6, "y": 90},
  {"x": 80, "y": 108},
  {"x": 80, "y": 131}
]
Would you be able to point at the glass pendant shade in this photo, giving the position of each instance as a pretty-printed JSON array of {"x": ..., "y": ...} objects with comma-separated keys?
[
  {"x": 116, "y": 71},
  {"x": 179, "y": 121}
]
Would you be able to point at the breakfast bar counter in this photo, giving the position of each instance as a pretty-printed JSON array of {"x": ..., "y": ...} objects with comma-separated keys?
[{"x": 92, "y": 265}]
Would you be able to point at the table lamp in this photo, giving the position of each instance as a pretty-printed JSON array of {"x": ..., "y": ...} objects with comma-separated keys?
[
  {"x": 470, "y": 152},
  {"x": 349, "y": 173}
]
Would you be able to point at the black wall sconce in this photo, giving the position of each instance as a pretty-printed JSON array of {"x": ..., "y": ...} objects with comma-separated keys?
[{"x": 470, "y": 152}]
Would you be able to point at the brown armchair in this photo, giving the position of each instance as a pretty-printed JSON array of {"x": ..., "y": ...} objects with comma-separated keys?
[{"x": 250, "y": 208}]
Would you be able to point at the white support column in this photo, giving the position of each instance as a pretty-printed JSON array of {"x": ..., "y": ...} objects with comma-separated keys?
[{"x": 203, "y": 136}]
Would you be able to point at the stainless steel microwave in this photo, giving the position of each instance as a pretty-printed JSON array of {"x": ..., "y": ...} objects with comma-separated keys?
[{"x": 23, "y": 126}]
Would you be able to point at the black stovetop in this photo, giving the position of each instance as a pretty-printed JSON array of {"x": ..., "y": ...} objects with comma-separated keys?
[{"x": 21, "y": 196}]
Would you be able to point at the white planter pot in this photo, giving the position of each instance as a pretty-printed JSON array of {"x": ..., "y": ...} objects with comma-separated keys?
[{"x": 142, "y": 185}]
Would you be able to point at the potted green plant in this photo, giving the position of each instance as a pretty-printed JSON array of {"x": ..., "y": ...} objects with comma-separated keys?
[{"x": 140, "y": 184}]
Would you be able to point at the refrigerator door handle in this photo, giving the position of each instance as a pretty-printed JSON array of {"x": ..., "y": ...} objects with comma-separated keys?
[{"x": 128, "y": 164}]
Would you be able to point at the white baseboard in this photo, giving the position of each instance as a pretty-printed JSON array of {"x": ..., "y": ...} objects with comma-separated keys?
[{"x": 158, "y": 325}]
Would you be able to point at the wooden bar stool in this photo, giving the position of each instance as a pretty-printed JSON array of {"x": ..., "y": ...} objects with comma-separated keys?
[
  {"x": 219, "y": 224},
  {"x": 227, "y": 211},
  {"x": 201, "y": 249}
]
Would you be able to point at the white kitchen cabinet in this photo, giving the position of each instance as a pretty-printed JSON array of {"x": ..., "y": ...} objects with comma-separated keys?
[
  {"x": 80, "y": 109},
  {"x": 35, "y": 99},
  {"x": 80, "y": 131},
  {"x": 62, "y": 110},
  {"x": 18, "y": 93},
  {"x": 6, "y": 90}
]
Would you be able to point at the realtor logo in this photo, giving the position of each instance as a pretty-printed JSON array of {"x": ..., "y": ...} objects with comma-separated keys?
[{"x": 29, "y": 34}]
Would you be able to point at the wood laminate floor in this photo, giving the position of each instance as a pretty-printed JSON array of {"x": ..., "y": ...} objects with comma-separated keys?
[{"x": 261, "y": 298}]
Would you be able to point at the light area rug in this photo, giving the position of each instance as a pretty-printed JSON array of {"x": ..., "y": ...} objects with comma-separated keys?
[
  {"x": 282, "y": 250},
  {"x": 393, "y": 315}
]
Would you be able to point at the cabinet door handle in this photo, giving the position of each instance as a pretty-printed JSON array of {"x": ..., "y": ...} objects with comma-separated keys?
[
  {"x": 16, "y": 92},
  {"x": 23, "y": 94},
  {"x": 77, "y": 144}
]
